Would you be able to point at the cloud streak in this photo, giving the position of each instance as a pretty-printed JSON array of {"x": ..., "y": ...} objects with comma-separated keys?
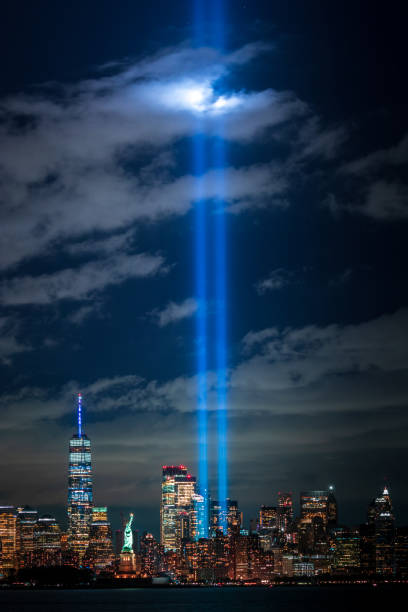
[
  {"x": 174, "y": 312},
  {"x": 79, "y": 283},
  {"x": 277, "y": 279},
  {"x": 10, "y": 345}
]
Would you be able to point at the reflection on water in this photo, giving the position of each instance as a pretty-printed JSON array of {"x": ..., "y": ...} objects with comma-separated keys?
[{"x": 222, "y": 599}]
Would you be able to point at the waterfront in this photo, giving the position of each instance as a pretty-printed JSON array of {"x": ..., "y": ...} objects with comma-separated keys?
[{"x": 214, "y": 599}]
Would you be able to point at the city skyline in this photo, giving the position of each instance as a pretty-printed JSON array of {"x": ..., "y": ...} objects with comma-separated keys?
[
  {"x": 202, "y": 539},
  {"x": 279, "y": 545},
  {"x": 204, "y": 211},
  {"x": 80, "y": 496},
  {"x": 184, "y": 489}
]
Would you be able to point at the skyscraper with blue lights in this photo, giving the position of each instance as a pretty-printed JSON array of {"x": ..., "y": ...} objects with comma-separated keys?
[{"x": 79, "y": 489}]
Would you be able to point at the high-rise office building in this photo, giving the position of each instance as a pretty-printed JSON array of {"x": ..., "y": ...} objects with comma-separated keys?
[
  {"x": 214, "y": 517},
  {"x": 27, "y": 519},
  {"x": 150, "y": 555},
  {"x": 79, "y": 489},
  {"x": 9, "y": 539},
  {"x": 178, "y": 489},
  {"x": 168, "y": 505},
  {"x": 198, "y": 527},
  {"x": 47, "y": 542},
  {"x": 99, "y": 555},
  {"x": 332, "y": 508},
  {"x": 346, "y": 557},
  {"x": 285, "y": 511},
  {"x": 246, "y": 557},
  {"x": 234, "y": 517},
  {"x": 268, "y": 517},
  {"x": 314, "y": 504},
  {"x": 268, "y": 531},
  {"x": 367, "y": 548},
  {"x": 312, "y": 526},
  {"x": 401, "y": 552},
  {"x": 380, "y": 514}
]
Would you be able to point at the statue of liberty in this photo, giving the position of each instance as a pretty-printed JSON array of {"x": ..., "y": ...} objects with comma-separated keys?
[{"x": 128, "y": 537}]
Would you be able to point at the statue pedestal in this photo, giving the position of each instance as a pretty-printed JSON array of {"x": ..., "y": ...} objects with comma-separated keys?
[{"x": 127, "y": 565}]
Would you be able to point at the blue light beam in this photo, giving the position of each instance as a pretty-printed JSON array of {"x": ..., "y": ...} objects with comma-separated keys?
[
  {"x": 201, "y": 293},
  {"x": 219, "y": 161}
]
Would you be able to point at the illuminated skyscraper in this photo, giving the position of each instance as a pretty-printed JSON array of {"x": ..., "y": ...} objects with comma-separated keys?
[
  {"x": 198, "y": 517},
  {"x": 314, "y": 504},
  {"x": 27, "y": 519},
  {"x": 346, "y": 559},
  {"x": 381, "y": 516},
  {"x": 234, "y": 517},
  {"x": 312, "y": 526},
  {"x": 285, "y": 511},
  {"x": 178, "y": 489},
  {"x": 9, "y": 539},
  {"x": 99, "y": 555},
  {"x": 268, "y": 517},
  {"x": 79, "y": 489},
  {"x": 150, "y": 553},
  {"x": 168, "y": 505},
  {"x": 332, "y": 508},
  {"x": 401, "y": 552},
  {"x": 215, "y": 509},
  {"x": 47, "y": 542},
  {"x": 268, "y": 528}
]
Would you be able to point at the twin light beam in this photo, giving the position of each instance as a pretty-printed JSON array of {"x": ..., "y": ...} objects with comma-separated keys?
[{"x": 202, "y": 100}]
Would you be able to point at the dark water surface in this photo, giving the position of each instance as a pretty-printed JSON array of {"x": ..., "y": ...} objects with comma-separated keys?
[{"x": 227, "y": 599}]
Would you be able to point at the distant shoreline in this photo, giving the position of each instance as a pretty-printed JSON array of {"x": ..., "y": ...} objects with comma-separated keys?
[{"x": 133, "y": 585}]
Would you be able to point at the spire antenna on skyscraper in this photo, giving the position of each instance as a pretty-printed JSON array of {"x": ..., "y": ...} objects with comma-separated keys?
[{"x": 79, "y": 414}]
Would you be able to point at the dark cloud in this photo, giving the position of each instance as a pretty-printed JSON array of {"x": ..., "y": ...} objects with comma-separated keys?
[
  {"x": 174, "y": 312},
  {"x": 10, "y": 344},
  {"x": 380, "y": 200},
  {"x": 277, "y": 279},
  {"x": 79, "y": 283},
  {"x": 393, "y": 156}
]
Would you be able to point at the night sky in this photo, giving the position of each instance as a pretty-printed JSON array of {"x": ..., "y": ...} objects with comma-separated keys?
[{"x": 97, "y": 286}]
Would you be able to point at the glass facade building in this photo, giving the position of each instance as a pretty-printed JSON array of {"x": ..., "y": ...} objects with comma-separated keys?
[
  {"x": 233, "y": 517},
  {"x": 382, "y": 516},
  {"x": 178, "y": 489},
  {"x": 27, "y": 519},
  {"x": 346, "y": 550},
  {"x": 47, "y": 542},
  {"x": 314, "y": 504},
  {"x": 268, "y": 517},
  {"x": 100, "y": 556},
  {"x": 332, "y": 509},
  {"x": 150, "y": 554},
  {"x": 9, "y": 539},
  {"x": 79, "y": 490},
  {"x": 285, "y": 511}
]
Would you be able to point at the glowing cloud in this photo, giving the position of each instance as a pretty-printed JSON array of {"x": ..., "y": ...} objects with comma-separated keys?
[{"x": 196, "y": 97}]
